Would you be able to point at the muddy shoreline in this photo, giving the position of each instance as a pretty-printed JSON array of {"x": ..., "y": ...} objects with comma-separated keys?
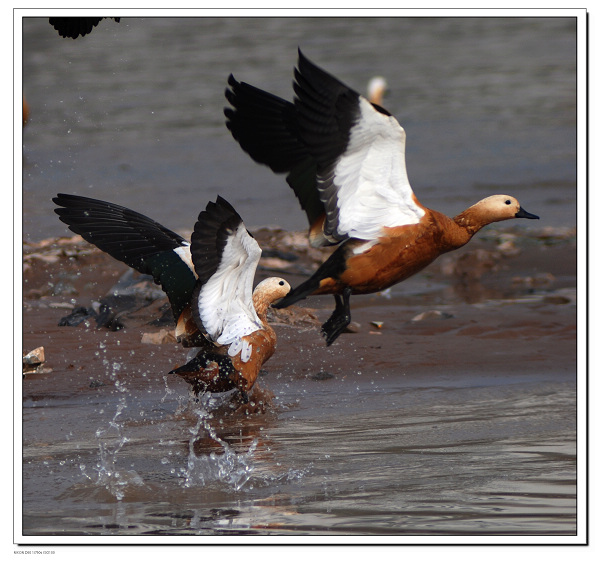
[
  {"x": 508, "y": 299},
  {"x": 450, "y": 408}
]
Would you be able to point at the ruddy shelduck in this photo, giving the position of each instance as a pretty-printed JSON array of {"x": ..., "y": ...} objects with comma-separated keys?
[
  {"x": 344, "y": 159},
  {"x": 208, "y": 283},
  {"x": 376, "y": 89},
  {"x": 232, "y": 316}
]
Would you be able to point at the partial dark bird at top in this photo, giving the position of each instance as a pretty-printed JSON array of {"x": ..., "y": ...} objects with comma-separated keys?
[{"x": 74, "y": 27}]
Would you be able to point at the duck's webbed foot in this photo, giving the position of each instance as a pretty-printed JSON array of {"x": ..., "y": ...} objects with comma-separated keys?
[
  {"x": 340, "y": 318},
  {"x": 242, "y": 396}
]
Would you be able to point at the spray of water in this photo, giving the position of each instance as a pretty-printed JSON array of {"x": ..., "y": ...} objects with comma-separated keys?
[
  {"x": 111, "y": 440},
  {"x": 233, "y": 469}
]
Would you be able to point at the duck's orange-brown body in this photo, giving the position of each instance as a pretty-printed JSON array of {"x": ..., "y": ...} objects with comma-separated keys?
[
  {"x": 397, "y": 255},
  {"x": 367, "y": 266},
  {"x": 213, "y": 369},
  {"x": 221, "y": 373},
  {"x": 263, "y": 346}
]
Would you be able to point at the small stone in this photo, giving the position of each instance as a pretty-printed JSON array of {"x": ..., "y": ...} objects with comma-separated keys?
[
  {"x": 159, "y": 337},
  {"x": 556, "y": 299},
  {"x": 431, "y": 314},
  {"x": 508, "y": 248},
  {"x": 61, "y": 305},
  {"x": 273, "y": 263},
  {"x": 543, "y": 280},
  {"x": 35, "y": 357},
  {"x": 33, "y": 362},
  {"x": 322, "y": 375}
]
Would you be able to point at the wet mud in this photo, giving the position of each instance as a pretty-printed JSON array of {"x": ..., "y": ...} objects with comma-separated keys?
[{"x": 471, "y": 363}]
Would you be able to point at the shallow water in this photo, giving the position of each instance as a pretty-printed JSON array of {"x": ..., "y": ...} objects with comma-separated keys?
[
  {"x": 434, "y": 457},
  {"x": 133, "y": 112},
  {"x": 458, "y": 424},
  {"x": 363, "y": 453},
  {"x": 452, "y": 427}
]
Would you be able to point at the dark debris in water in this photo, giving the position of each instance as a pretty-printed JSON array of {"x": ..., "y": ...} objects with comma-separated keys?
[
  {"x": 96, "y": 384},
  {"x": 322, "y": 375}
]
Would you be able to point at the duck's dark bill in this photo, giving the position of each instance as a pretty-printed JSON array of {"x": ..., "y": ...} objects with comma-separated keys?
[{"x": 524, "y": 214}]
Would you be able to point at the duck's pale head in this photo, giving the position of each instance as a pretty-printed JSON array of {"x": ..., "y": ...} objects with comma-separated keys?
[
  {"x": 503, "y": 207},
  {"x": 268, "y": 291},
  {"x": 376, "y": 89},
  {"x": 491, "y": 209}
]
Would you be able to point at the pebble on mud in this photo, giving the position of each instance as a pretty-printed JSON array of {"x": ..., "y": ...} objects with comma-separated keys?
[
  {"x": 159, "y": 337},
  {"x": 431, "y": 314},
  {"x": 33, "y": 361},
  {"x": 542, "y": 280},
  {"x": 322, "y": 375}
]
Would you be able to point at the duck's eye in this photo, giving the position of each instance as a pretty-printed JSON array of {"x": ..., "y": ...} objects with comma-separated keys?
[
  {"x": 507, "y": 202},
  {"x": 281, "y": 283}
]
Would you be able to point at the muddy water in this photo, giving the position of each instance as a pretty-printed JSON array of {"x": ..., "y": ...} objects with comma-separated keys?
[
  {"x": 444, "y": 455},
  {"x": 462, "y": 422},
  {"x": 459, "y": 423},
  {"x": 135, "y": 110}
]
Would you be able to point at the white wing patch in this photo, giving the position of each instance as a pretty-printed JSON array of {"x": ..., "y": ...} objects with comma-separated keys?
[
  {"x": 373, "y": 190},
  {"x": 225, "y": 301},
  {"x": 186, "y": 256}
]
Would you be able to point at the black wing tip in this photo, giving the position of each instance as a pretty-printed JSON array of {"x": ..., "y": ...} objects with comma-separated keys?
[
  {"x": 68, "y": 199},
  {"x": 306, "y": 65},
  {"x": 73, "y": 27},
  {"x": 64, "y": 197},
  {"x": 67, "y": 204},
  {"x": 221, "y": 206},
  {"x": 211, "y": 231},
  {"x": 212, "y": 218},
  {"x": 232, "y": 85}
]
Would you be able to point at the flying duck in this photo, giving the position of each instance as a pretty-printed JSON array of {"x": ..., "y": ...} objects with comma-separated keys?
[
  {"x": 73, "y": 27},
  {"x": 208, "y": 283},
  {"x": 344, "y": 159}
]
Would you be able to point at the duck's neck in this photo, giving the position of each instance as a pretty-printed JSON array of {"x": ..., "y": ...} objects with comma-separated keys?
[
  {"x": 261, "y": 305},
  {"x": 455, "y": 232},
  {"x": 467, "y": 223},
  {"x": 472, "y": 220}
]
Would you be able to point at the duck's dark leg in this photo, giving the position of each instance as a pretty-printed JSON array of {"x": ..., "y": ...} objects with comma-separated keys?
[{"x": 340, "y": 318}]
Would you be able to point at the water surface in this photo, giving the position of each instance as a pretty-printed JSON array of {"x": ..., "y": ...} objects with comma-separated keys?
[
  {"x": 133, "y": 112},
  {"x": 464, "y": 426}
]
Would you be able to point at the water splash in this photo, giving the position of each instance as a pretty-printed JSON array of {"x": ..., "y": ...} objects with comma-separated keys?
[
  {"x": 228, "y": 467},
  {"x": 111, "y": 440}
]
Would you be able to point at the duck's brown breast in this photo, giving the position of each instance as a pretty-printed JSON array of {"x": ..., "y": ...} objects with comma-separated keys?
[
  {"x": 397, "y": 255},
  {"x": 263, "y": 346}
]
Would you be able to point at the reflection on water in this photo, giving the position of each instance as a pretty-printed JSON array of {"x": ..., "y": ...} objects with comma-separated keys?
[
  {"x": 435, "y": 459},
  {"x": 458, "y": 423},
  {"x": 135, "y": 113}
]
